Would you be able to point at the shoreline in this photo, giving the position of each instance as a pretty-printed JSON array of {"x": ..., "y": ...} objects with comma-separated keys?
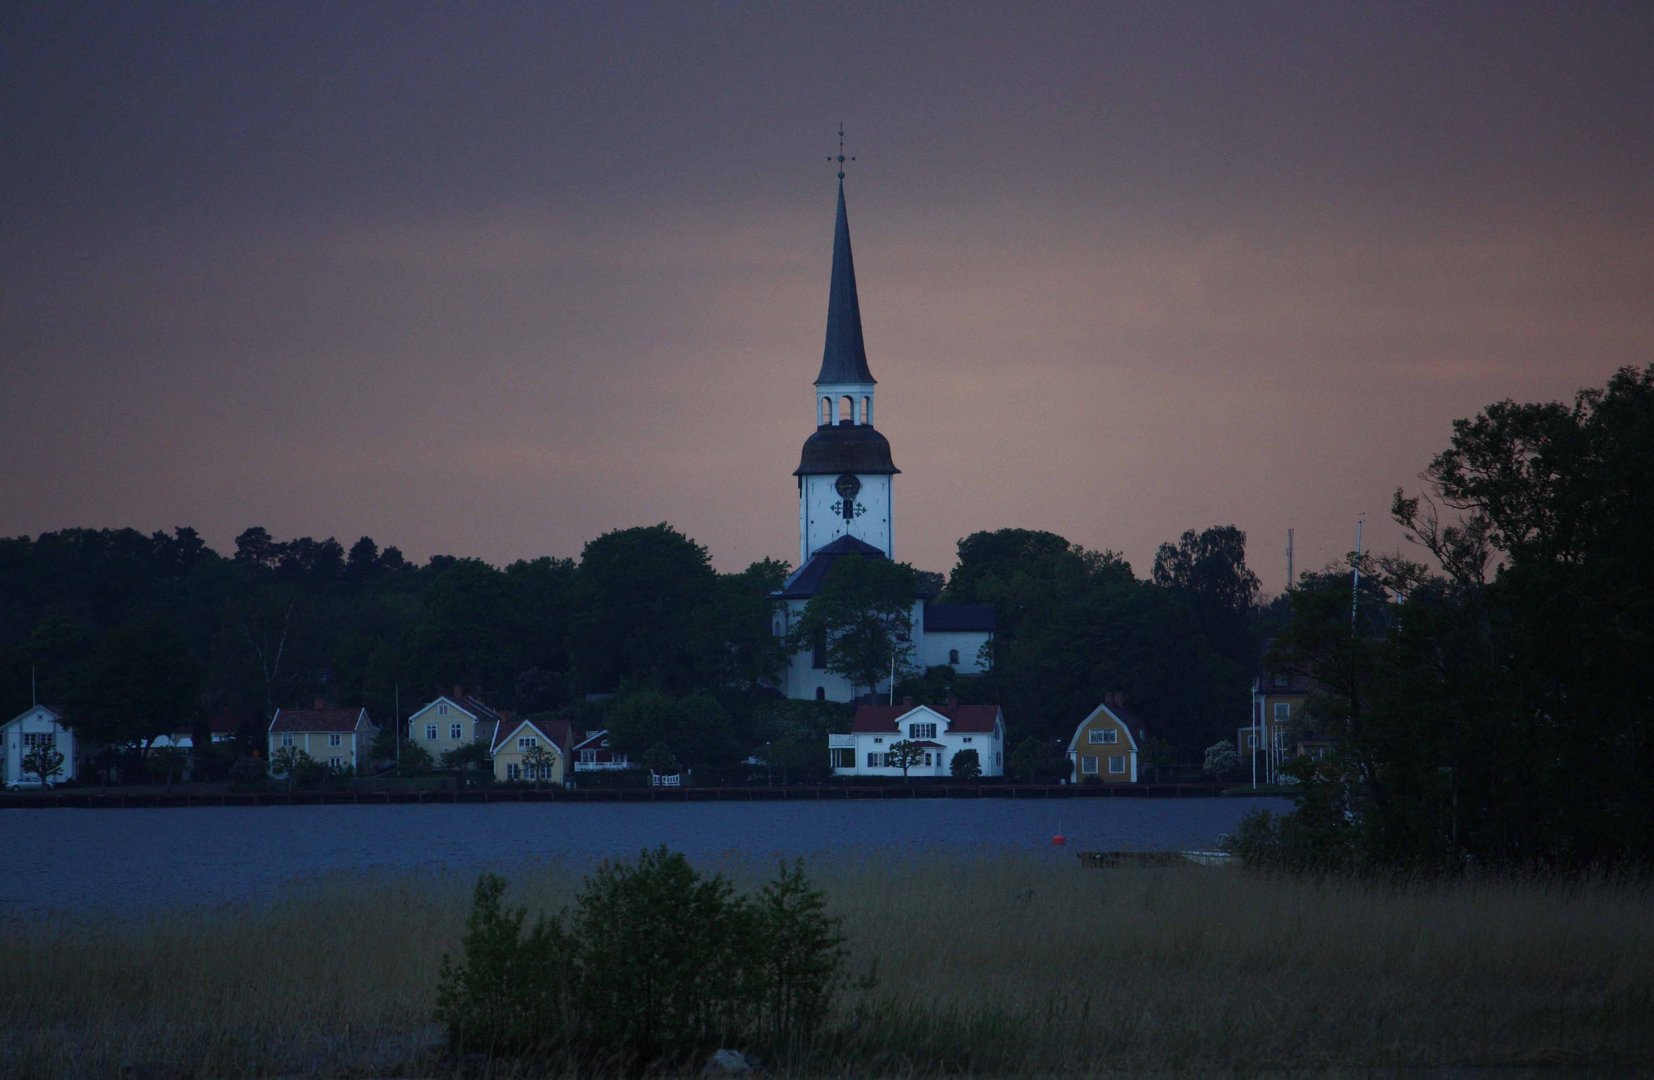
[{"x": 117, "y": 799}]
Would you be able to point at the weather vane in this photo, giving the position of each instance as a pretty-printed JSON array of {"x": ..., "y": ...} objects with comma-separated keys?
[{"x": 841, "y": 159}]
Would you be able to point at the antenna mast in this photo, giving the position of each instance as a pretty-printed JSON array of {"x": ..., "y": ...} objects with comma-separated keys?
[
  {"x": 1355, "y": 571},
  {"x": 1290, "y": 577}
]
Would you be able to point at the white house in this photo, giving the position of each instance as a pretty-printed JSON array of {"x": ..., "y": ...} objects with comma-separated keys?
[
  {"x": 940, "y": 731},
  {"x": 846, "y": 503},
  {"x": 40, "y": 725}
]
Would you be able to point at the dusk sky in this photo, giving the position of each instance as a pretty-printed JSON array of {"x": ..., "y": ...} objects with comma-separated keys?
[{"x": 492, "y": 280}]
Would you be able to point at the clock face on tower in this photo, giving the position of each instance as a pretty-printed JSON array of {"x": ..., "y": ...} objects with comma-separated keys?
[{"x": 847, "y": 486}]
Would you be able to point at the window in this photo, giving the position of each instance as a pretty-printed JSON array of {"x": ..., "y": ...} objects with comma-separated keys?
[
  {"x": 527, "y": 742},
  {"x": 1117, "y": 763},
  {"x": 454, "y": 730},
  {"x": 967, "y": 738},
  {"x": 997, "y": 762},
  {"x": 336, "y": 762},
  {"x": 1088, "y": 764},
  {"x": 1104, "y": 737},
  {"x": 335, "y": 739},
  {"x": 872, "y": 760},
  {"x": 921, "y": 731},
  {"x": 927, "y": 757},
  {"x": 442, "y": 710},
  {"x": 818, "y": 650},
  {"x": 287, "y": 740},
  {"x": 513, "y": 771},
  {"x": 1251, "y": 740},
  {"x": 879, "y": 740},
  {"x": 430, "y": 732},
  {"x": 1283, "y": 712},
  {"x": 588, "y": 757},
  {"x": 953, "y": 657},
  {"x": 821, "y": 693},
  {"x": 32, "y": 739}
]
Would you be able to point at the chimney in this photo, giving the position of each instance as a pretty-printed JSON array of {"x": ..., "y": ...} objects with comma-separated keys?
[
  {"x": 907, "y": 701},
  {"x": 953, "y": 702},
  {"x": 459, "y": 693}
]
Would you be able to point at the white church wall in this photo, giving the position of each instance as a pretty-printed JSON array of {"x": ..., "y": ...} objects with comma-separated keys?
[{"x": 820, "y": 524}]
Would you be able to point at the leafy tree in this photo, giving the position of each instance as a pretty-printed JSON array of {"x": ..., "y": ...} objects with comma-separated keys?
[
  {"x": 729, "y": 638},
  {"x": 139, "y": 683},
  {"x": 471, "y": 758},
  {"x": 904, "y": 754},
  {"x": 966, "y": 765},
  {"x": 414, "y": 760},
  {"x": 640, "y": 721},
  {"x": 538, "y": 760},
  {"x": 169, "y": 761},
  {"x": 43, "y": 761},
  {"x": 660, "y": 760},
  {"x": 703, "y": 736},
  {"x": 861, "y": 618},
  {"x": 287, "y": 762},
  {"x": 635, "y": 592},
  {"x": 1209, "y": 569}
]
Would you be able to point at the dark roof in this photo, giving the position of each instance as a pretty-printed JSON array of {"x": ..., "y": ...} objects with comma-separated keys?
[
  {"x": 881, "y": 719},
  {"x": 941, "y": 618},
  {"x": 1118, "y": 710},
  {"x": 1297, "y": 682},
  {"x": 316, "y": 719},
  {"x": 846, "y": 448},
  {"x": 600, "y": 736},
  {"x": 806, "y": 581},
  {"x": 844, "y": 359},
  {"x": 556, "y": 732}
]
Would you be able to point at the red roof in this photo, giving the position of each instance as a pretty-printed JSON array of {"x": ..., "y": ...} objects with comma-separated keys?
[
  {"x": 556, "y": 732},
  {"x": 316, "y": 719},
  {"x": 881, "y": 719}
]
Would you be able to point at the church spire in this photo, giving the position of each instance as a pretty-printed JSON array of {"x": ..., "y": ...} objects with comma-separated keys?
[{"x": 844, "y": 360}]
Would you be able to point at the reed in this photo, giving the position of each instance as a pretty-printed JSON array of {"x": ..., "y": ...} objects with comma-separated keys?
[{"x": 1002, "y": 966}]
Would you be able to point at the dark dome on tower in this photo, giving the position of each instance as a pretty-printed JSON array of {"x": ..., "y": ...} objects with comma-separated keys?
[{"x": 846, "y": 448}]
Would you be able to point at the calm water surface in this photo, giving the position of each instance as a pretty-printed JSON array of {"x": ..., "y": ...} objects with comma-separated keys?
[{"x": 87, "y": 861}]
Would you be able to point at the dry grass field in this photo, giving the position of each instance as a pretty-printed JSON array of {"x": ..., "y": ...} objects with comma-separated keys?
[{"x": 1000, "y": 967}]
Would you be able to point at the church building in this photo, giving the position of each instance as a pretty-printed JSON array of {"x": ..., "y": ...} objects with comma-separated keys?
[{"x": 846, "y": 502}]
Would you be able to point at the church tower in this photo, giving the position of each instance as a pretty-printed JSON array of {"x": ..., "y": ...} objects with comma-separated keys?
[{"x": 845, "y": 472}]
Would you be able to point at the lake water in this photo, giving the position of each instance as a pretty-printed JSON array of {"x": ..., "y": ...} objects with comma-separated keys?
[{"x": 127, "y": 861}]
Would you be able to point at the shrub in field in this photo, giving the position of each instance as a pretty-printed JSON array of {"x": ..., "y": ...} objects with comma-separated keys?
[
  {"x": 655, "y": 964},
  {"x": 506, "y": 996}
]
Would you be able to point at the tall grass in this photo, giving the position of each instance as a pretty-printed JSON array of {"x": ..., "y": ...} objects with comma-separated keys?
[{"x": 998, "y": 966}]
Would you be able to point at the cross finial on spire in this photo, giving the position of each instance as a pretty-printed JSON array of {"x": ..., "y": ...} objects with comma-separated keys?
[{"x": 841, "y": 159}]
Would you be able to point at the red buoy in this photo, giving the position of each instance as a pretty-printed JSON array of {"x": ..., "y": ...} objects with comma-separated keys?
[{"x": 1059, "y": 840}]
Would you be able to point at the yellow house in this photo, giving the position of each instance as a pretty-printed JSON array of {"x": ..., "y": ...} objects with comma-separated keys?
[
  {"x": 518, "y": 740},
  {"x": 337, "y": 737},
  {"x": 449, "y": 723},
  {"x": 1278, "y": 699},
  {"x": 1105, "y": 746}
]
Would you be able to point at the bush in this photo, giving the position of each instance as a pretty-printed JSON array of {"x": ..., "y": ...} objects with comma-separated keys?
[
  {"x": 1221, "y": 759},
  {"x": 656, "y": 964},
  {"x": 248, "y": 774},
  {"x": 966, "y": 765},
  {"x": 506, "y": 997}
]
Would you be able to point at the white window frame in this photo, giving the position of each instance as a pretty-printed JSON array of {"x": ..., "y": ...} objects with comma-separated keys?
[
  {"x": 430, "y": 732},
  {"x": 513, "y": 771},
  {"x": 1283, "y": 712},
  {"x": 287, "y": 740},
  {"x": 1102, "y": 737},
  {"x": 917, "y": 730},
  {"x": 1088, "y": 764},
  {"x": 1117, "y": 764},
  {"x": 527, "y": 742},
  {"x": 335, "y": 739},
  {"x": 456, "y": 730}
]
